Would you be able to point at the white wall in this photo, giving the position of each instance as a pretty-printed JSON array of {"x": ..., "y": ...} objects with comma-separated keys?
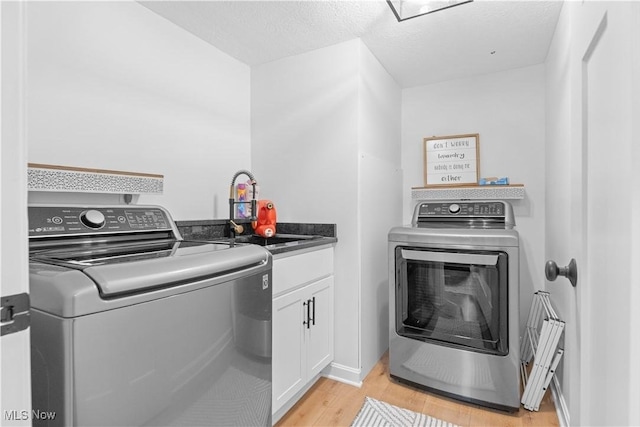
[
  {"x": 113, "y": 85},
  {"x": 507, "y": 109},
  {"x": 304, "y": 115},
  {"x": 380, "y": 199},
  {"x": 325, "y": 148}
]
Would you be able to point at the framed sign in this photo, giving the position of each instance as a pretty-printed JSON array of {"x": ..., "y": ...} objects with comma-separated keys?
[{"x": 452, "y": 160}]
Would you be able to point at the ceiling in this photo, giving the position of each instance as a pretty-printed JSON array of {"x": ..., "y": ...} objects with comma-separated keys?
[{"x": 481, "y": 37}]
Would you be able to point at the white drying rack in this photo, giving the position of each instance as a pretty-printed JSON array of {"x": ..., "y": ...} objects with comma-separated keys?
[{"x": 540, "y": 343}]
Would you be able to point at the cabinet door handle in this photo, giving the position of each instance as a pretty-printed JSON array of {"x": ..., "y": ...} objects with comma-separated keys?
[
  {"x": 307, "y": 303},
  {"x": 313, "y": 319}
]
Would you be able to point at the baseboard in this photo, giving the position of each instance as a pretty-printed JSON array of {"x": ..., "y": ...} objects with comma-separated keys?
[
  {"x": 343, "y": 374},
  {"x": 562, "y": 410}
]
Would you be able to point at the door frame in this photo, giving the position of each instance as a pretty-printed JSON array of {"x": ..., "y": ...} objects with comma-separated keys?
[
  {"x": 15, "y": 404},
  {"x": 634, "y": 369}
]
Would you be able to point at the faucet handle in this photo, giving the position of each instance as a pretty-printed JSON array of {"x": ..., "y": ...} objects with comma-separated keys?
[{"x": 238, "y": 229}]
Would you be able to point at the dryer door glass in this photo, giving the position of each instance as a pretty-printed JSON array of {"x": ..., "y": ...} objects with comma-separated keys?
[{"x": 453, "y": 297}]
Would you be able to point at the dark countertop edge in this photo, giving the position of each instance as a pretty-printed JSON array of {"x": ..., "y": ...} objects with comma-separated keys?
[{"x": 276, "y": 250}]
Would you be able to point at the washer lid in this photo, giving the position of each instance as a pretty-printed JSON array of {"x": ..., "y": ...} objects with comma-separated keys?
[
  {"x": 126, "y": 269},
  {"x": 93, "y": 254}
]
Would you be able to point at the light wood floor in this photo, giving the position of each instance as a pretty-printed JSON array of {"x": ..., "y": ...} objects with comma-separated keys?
[{"x": 331, "y": 403}]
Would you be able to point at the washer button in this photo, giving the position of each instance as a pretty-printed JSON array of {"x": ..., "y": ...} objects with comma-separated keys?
[{"x": 454, "y": 208}]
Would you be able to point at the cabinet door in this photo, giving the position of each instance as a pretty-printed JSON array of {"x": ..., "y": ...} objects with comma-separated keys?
[
  {"x": 320, "y": 333},
  {"x": 288, "y": 371}
]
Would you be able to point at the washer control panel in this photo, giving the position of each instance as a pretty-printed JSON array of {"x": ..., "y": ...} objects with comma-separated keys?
[{"x": 65, "y": 220}]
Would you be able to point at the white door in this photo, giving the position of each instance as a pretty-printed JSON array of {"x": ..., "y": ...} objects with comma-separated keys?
[
  {"x": 15, "y": 371},
  {"x": 602, "y": 216},
  {"x": 607, "y": 199}
]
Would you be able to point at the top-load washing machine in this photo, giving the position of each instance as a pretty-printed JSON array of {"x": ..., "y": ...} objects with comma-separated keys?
[
  {"x": 131, "y": 325},
  {"x": 454, "y": 302}
]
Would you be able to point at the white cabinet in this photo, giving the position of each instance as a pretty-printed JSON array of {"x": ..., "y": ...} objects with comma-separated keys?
[{"x": 302, "y": 323}]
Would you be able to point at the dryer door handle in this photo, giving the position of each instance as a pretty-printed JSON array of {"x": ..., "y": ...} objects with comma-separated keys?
[{"x": 449, "y": 257}]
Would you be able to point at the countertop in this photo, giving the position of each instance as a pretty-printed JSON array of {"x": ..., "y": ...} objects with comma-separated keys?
[{"x": 218, "y": 230}]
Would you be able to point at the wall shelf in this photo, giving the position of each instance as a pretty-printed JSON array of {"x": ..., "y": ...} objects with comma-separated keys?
[
  {"x": 43, "y": 177},
  {"x": 471, "y": 192}
]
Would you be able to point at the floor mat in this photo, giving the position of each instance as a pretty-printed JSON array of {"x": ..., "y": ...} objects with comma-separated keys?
[{"x": 381, "y": 414}]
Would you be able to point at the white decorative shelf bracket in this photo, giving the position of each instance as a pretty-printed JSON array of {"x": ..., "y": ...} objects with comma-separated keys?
[
  {"x": 476, "y": 192},
  {"x": 43, "y": 177}
]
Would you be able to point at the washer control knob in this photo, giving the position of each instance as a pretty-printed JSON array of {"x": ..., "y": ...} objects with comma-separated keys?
[
  {"x": 454, "y": 208},
  {"x": 92, "y": 218}
]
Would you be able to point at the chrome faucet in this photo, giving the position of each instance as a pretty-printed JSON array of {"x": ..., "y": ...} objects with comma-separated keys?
[{"x": 233, "y": 227}]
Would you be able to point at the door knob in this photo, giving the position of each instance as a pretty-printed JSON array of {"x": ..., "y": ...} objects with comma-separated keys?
[{"x": 552, "y": 271}]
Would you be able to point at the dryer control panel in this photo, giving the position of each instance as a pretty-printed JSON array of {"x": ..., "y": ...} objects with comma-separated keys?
[
  {"x": 467, "y": 209},
  {"x": 464, "y": 214}
]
